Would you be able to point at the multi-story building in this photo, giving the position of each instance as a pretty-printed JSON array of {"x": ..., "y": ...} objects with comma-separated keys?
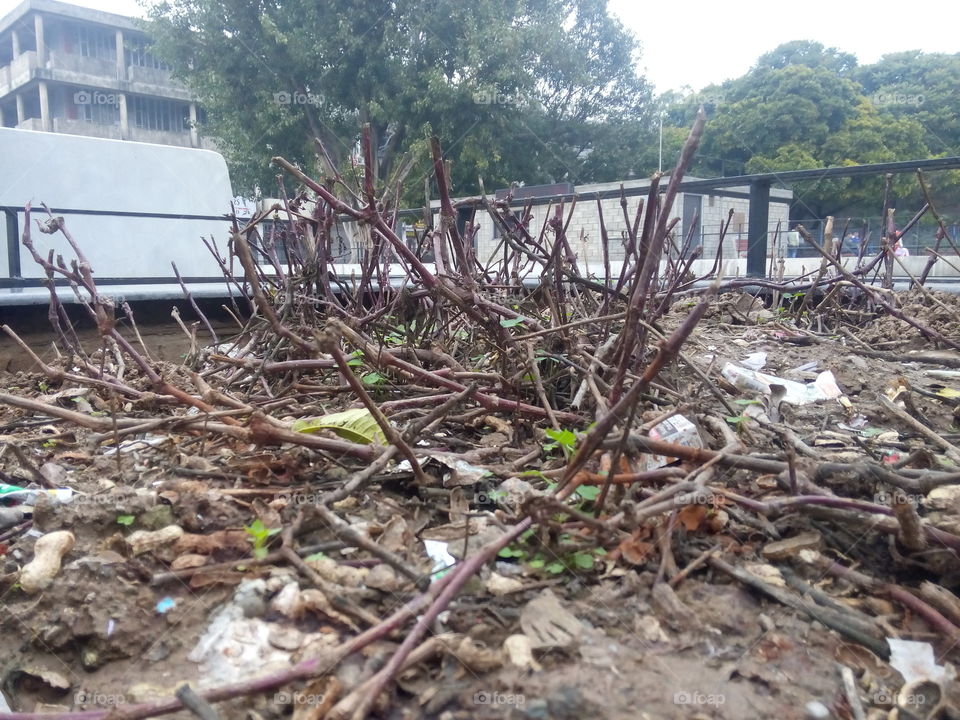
[{"x": 69, "y": 69}]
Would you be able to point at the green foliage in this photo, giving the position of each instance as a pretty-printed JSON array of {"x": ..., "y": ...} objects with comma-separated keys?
[
  {"x": 356, "y": 425},
  {"x": 530, "y": 90},
  {"x": 546, "y": 561},
  {"x": 260, "y": 534},
  {"x": 563, "y": 439},
  {"x": 126, "y": 520},
  {"x": 374, "y": 379},
  {"x": 804, "y": 106}
]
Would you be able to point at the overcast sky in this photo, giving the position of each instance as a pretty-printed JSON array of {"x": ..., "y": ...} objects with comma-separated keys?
[{"x": 698, "y": 42}]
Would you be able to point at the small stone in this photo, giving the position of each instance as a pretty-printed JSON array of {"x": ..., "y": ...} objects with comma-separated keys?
[
  {"x": 384, "y": 578},
  {"x": 90, "y": 659},
  {"x": 816, "y": 710},
  {"x": 158, "y": 651},
  {"x": 287, "y": 602},
  {"x": 250, "y": 597},
  {"x": 499, "y": 585},
  {"x": 285, "y": 638}
]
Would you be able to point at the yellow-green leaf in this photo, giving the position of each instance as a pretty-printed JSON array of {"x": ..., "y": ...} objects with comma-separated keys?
[
  {"x": 948, "y": 393},
  {"x": 357, "y": 425}
]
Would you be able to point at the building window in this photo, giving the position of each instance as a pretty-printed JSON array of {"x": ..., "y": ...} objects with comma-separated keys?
[
  {"x": 100, "y": 114},
  {"x": 153, "y": 114},
  {"x": 139, "y": 55},
  {"x": 92, "y": 42}
]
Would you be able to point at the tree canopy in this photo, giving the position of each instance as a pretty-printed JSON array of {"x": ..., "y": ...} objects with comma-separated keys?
[
  {"x": 803, "y": 105},
  {"x": 528, "y": 90}
]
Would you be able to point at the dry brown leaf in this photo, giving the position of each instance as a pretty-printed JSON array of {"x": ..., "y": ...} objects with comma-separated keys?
[
  {"x": 692, "y": 517},
  {"x": 190, "y": 560},
  {"x": 237, "y": 540},
  {"x": 635, "y": 551},
  {"x": 315, "y": 601},
  {"x": 476, "y": 656},
  {"x": 548, "y": 624},
  {"x": 396, "y": 535}
]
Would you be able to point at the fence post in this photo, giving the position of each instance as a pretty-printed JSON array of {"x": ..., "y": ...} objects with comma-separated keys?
[
  {"x": 13, "y": 244},
  {"x": 757, "y": 228}
]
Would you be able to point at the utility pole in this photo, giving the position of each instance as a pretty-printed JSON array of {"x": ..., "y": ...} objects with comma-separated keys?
[{"x": 660, "y": 160}]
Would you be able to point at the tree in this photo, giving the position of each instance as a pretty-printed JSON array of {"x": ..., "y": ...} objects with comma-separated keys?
[
  {"x": 922, "y": 86},
  {"x": 529, "y": 90},
  {"x": 808, "y": 54},
  {"x": 806, "y": 106}
]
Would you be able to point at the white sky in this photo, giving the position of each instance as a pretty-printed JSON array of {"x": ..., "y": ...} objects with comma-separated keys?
[{"x": 698, "y": 42}]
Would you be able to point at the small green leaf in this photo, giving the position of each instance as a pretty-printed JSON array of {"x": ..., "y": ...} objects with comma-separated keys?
[
  {"x": 555, "y": 568},
  {"x": 511, "y": 322},
  {"x": 357, "y": 425},
  {"x": 374, "y": 378},
  {"x": 537, "y": 563},
  {"x": 126, "y": 520},
  {"x": 256, "y": 529},
  {"x": 583, "y": 560},
  {"x": 563, "y": 438},
  {"x": 747, "y": 402},
  {"x": 588, "y": 492}
]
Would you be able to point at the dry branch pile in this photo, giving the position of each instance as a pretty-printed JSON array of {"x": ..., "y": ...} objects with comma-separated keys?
[{"x": 520, "y": 424}]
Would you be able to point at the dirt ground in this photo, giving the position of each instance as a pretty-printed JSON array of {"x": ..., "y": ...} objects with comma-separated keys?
[{"x": 573, "y": 621}]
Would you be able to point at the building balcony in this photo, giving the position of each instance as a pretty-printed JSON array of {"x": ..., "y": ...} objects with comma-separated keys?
[
  {"x": 150, "y": 76},
  {"x": 87, "y": 128},
  {"x": 160, "y": 137},
  {"x": 18, "y": 72},
  {"x": 81, "y": 67},
  {"x": 31, "y": 124}
]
